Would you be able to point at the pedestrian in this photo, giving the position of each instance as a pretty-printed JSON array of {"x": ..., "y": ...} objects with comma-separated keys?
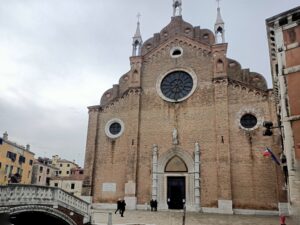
[
  {"x": 155, "y": 205},
  {"x": 122, "y": 207},
  {"x": 152, "y": 204},
  {"x": 118, "y": 206},
  {"x": 282, "y": 220}
]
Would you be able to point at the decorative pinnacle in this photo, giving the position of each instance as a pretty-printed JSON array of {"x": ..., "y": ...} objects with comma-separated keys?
[
  {"x": 138, "y": 16},
  {"x": 218, "y": 1},
  {"x": 138, "y": 32}
]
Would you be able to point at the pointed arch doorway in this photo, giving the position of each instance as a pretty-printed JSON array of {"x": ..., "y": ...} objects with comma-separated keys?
[
  {"x": 176, "y": 183},
  {"x": 175, "y": 180}
]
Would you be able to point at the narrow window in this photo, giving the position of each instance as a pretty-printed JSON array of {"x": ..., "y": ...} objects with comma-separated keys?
[{"x": 72, "y": 186}]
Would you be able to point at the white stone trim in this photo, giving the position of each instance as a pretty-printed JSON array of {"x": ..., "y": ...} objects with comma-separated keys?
[
  {"x": 110, "y": 122},
  {"x": 225, "y": 206},
  {"x": 293, "y": 45},
  {"x": 189, "y": 179},
  {"x": 293, "y": 69},
  {"x": 253, "y": 111},
  {"x": 162, "y": 76},
  {"x": 173, "y": 49},
  {"x": 283, "y": 208},
  {"x": 255, "y": 212}
]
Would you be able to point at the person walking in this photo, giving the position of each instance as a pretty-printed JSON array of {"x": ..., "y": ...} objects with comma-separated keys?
[
  {"x": 122, "y": 207},
  {"x": 118, "y": 206}
]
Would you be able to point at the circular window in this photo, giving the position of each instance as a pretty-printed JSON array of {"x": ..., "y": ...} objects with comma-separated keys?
[
  {"x": 248, "y": 121},
  {"x": 176, "y": 85},
  {"x": 114, "y": 128}
]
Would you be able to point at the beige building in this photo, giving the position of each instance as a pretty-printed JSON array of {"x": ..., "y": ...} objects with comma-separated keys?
[
  {"x": 184, "y": 126},
  {"x": 64, "y": 166},
  {"x": 43, "y": 171},
  {"x": 15, "y": 162},
  {"x": 71, "y": 184},
  {"x": 284, "y": 43}
]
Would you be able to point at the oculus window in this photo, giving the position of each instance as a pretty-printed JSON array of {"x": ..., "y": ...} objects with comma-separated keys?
[
  {"x": 176, "y": 85},
  {"x": 114, "y": 128},
  {"x": 248, "y": 121}
]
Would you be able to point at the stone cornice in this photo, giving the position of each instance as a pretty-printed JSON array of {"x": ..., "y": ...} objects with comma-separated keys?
[{"x": 130, "y": 91}]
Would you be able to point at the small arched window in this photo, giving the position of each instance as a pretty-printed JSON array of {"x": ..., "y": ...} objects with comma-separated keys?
[{"x": 220, "y": 66}]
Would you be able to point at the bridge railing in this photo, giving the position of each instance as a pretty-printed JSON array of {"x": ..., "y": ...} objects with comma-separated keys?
[{"x": 16, "y": 194}]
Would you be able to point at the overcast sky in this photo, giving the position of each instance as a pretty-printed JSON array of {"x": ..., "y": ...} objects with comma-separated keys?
[{"x": 58, "y": 56}]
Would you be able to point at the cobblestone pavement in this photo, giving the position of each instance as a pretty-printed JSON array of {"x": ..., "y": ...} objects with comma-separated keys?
[{"x": 175, "y": 218}]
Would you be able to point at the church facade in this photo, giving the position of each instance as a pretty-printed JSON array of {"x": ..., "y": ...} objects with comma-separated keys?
[{"x": 184, "y": 126}]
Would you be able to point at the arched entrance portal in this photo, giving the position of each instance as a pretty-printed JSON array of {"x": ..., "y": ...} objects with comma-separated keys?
[
  {"x": 175, "y": 179},
  {"x": 176, "y": 184}
]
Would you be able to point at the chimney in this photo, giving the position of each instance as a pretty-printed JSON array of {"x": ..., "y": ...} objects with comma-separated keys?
[
  {"x": 5, "y": 136},
  {"x": 28, "y": 147}
]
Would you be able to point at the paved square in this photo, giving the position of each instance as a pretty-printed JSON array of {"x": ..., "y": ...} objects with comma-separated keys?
[{"x": 175, "y": 218}]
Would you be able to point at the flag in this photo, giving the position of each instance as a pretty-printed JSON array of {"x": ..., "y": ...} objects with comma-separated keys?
[
  {"x": 266, "y": 153},
  {"x": 274, "y": 158}
]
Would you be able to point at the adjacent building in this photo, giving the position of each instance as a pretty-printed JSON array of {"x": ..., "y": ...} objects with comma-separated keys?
[
  {"x": 284, "y": 44},
  {"x": 43, "y": 171},
  {"x": 184, "y": 126},
  {"x": 64, "y": 166},
  {"x": 16, "y": 162},
  {"x": 71, "y": 184}
]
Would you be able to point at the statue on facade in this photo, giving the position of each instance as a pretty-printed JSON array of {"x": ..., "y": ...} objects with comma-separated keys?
[{"x": 175, "y": 137}]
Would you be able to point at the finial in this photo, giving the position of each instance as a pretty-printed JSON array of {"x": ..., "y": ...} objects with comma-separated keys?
[
  {"x": 137, "y": 39},
  {"x": 138, "y": 16},
  {"x": 219, "y": 25}
]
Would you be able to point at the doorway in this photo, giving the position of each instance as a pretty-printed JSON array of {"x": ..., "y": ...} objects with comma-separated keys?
[{"x": 176, "y": 192}]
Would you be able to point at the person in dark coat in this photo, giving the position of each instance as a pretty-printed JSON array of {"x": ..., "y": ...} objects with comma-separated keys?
[
  {"x": 152, "y": 204},
  {"x": 155, "y": 205},
  {"x": 122, "y": 207},
  {"x": 118, "y": 206}
]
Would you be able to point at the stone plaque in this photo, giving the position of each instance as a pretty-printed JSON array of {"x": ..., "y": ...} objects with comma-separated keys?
[{"x": 109, "y": 187}]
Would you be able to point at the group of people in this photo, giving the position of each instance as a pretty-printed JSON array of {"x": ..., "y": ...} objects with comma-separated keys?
[{"x": 121, "y": 204}]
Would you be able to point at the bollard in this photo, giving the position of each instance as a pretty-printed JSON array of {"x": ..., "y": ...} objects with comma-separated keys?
[{"x": 109, "y": 222}]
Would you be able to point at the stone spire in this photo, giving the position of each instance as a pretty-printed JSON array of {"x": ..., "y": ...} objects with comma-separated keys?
[
  {"x": 219, "y": 25},
  {"x": 137, "y": 39},
  {"x": 177, "y": 8}
]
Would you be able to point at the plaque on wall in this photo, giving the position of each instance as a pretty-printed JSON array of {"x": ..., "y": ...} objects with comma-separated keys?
[{"x": 109, "y": 187}]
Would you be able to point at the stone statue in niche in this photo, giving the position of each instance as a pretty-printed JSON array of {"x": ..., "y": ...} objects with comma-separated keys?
[{"x": 175, "y": 137}]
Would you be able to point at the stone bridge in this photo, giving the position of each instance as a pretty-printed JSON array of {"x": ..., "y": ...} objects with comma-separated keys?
[{"x": 38, "y": 205}]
